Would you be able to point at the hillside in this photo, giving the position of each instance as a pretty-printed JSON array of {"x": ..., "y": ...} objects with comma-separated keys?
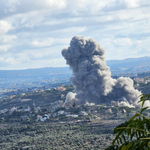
[{"x": 71, "y": 127}]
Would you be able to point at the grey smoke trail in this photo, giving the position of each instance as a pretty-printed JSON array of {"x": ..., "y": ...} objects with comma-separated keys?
[{"x": 92, "y": 77}]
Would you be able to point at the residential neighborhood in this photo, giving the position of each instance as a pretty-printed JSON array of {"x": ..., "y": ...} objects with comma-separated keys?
[{"x": 63, "y": 112}]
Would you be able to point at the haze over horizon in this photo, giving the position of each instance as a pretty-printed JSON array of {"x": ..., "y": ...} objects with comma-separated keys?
[
  {"x": 33, "y": 33},
  {"x": 110, "y": 63}
]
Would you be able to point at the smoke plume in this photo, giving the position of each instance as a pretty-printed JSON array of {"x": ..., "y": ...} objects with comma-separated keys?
[{"x": 92, "y": 77}]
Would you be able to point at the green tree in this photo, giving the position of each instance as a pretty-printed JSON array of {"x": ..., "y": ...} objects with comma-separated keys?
[
  {"x": 133, "y": 134},
  {"x": 74, "y": 104}
]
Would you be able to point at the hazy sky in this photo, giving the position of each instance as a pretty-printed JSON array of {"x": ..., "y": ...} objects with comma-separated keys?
[{"x": 33, "y": 32}]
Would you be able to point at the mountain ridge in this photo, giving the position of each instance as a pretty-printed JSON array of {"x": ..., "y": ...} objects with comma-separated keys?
[
  {"x": 109, "y": 63},
  {"x": 117, "y": 67}
]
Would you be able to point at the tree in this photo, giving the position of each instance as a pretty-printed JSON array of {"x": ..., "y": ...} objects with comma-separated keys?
[
  {"x": 133, "y": 134},
  {"x": 74, "y": 104}
]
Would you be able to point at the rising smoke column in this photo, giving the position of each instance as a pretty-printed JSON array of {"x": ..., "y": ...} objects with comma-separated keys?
[{"x": 92, "y": 77}]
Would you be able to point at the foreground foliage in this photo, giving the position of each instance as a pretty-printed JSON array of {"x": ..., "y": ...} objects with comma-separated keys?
[{"x": 133, "y": 134}]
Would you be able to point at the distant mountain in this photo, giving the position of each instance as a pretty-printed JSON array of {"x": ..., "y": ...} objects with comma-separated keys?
[
  {"x": 35, "y": 73},
  {"x": 129, "y": 67},
  {"x": 33, "y": 77}
]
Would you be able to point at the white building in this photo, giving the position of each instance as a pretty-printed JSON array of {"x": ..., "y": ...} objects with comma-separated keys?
[
  {"x": 73, "y": 116},
  {"x": 47, "y": 116},
  {"x": 22, "y": 94},
  {"x": 3, "y": 111},
  {"x": 27, "y": 109},
  {"x": 12, "y": 110},
  {"x": 61, "y": 112},
  {"x": 40, "y": 118},
  {"x": 89, "y": 104},
  {"x": 83, "y": 113}
]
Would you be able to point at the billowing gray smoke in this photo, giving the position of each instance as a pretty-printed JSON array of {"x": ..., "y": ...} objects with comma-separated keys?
[{"x": 92, "y": 78}]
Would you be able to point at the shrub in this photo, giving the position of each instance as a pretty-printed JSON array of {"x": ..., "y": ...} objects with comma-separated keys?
[{"x": 133, "y": 134}]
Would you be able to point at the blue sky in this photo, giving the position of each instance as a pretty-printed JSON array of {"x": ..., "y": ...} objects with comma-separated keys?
[{"x": 33, "y": 32}]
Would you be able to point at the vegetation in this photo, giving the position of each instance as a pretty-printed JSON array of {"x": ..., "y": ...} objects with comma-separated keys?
[
  {"x": 133, "y": 134},
  {"x": 21, "y": 130},
  {"x": 41, "y": 98},
  {"x": 54, "y": 136},
  {"x": 145, "y": 88}
]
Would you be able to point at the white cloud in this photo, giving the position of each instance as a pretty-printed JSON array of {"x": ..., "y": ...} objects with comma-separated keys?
[
  {"x": 8, "y": 38},
  {"x": 6, "y": 62},
  {"x": 19, "y": 6},
  {"x": 86, "y": 5},
  {"x": 4, "y": 27},
  {"x": 122, "y": 42},
  {"x": 125, "y": 4},
  {"x": 131, "y": 3},
  {"x": 44, "y": 43},
  {"x": 10, "y": 61},
  {"x": 4, "y": 48},
  {"x": 74, "y": 30},
  {"x": 33, "y": 32}
]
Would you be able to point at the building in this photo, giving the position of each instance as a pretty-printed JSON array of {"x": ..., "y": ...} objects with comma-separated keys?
[
  {"x": 37, "y": 109},
  {"x": 12, "y": 110},
  {"x": 39, "y": 117},
  {"x": 89, "y": 104},
  {"x": 61, "y": 88},
  {"x": 73, "y": 116},
  {"x": 108, "y": 111},
  {"x": 83, "y": 113},
  {"x": 114, "y": 103},
  {"x": 12, "y": 96},
  {"x": 61, "y": 112},
  {"x": 27, "y": 109},
  {"x": 3, "y": 111},
  {"x": 22, "y": 94},
  {"x": 67, "y": 105}
]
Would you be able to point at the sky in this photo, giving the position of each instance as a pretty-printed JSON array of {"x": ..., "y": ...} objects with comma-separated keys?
[{"x": 33, "y": 32}]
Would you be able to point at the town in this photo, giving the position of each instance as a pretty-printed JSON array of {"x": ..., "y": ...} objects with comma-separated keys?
[
  {"x": 27, "y": 107},
  {"x": 35, "y": 117}
]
